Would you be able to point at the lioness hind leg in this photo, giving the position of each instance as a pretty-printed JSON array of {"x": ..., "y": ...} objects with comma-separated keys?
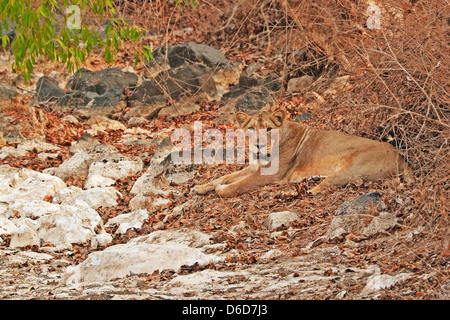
[{"x": 335, "y": 180}]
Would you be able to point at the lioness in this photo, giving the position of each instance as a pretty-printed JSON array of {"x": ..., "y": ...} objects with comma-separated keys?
[{"x": 306, "y": 152}]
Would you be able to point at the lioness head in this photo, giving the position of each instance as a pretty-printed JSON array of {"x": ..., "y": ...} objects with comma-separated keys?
[{"x": 262, "y": 130}]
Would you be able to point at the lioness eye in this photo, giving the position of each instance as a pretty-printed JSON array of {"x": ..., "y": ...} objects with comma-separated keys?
[
  {"x": 251, "y": 129},
  {"x": 269, "y": 129}
]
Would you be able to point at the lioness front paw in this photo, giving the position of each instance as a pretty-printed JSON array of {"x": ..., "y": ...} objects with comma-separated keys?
[
  {"x": 199, "y": 189},
  {"x": 225, "y": 191}
]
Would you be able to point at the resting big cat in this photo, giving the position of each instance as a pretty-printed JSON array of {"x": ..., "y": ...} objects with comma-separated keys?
[{"x": 305, "y": 152}]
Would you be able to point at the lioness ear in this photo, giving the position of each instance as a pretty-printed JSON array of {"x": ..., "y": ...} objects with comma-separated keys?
[
  {"x": 241, "y": 119},
  {"x": 278, "y": 117}
]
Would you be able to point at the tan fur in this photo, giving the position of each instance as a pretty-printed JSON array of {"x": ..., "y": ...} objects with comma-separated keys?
[{"x": 306, "y": 152}]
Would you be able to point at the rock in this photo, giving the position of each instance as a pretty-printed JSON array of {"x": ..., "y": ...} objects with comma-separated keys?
[
  {"x": 85, "y": 151},
  {"x": 6, "y": 226},
  {"x": 76, "y": 167},
  {"x": 27, "y": 121},
  {"x": 95, "y": 198},
  {"x": 133, "y": 121},
  {"x": 127, "y": 221},
  {"x": 102, "y": 123},
  {"x": 189, "y": 53},
  {"x": 7, "y": 93},
  {"x": 355, "y": 216},
  {"x": 339, "y": 85},
  {"x": 145, "y": 106},
  {"x": 72, "y": 224},
  {"x": 59, "y": 224},
  {"x": 115, "y": 166},
  {"x": 96, "y": 181},
  {"x": 91, "y": 104},
  {"x": 140, "y": 255},
  {"x": 360, "y": 204},
  {"x": 383, "y": 281},
  {"x": 47, "y": 88},
  {"x": 13, "y": 137},
  {"x": 298, "y": 85},
  {"x": 186, "y": 80},
  {"x": 27, "y": 184},
  {"x": 179, "y": 109},
  {"x": 86, "y": 143},
  {"x": 303, "y": 117},
  {"x": 248, "y": 84},
  {"x": 254, "y": 101},
  {"x": 162, "y": 172},
  {"x": 29, "y": 145},
  {"x": 24, "y": 236},
  {"x": 102, "y": 80},
  {"x": 70, "y": 118},
  {"x": 276, "y": 220}
]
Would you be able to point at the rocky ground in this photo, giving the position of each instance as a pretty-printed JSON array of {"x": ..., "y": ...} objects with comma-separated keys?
[{"x": 91, "y": 207}]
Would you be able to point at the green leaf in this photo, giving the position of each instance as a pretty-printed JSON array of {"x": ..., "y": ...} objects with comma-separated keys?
[{"x": 5, "y": 41}]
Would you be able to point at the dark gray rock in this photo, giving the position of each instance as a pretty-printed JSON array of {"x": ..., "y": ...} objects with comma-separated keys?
[
  {"x": 13, "y": 137},
  {"x": 102, "y": 80},
  {"x": 303, "y": 117},
  {"x": 74, "y": 99},
  {"x": 7, "y": 93},
  {"x": 47, "y": 88},
  {"x": 360, "y": 204},
  {"x": 186, "y": 80},
  {"x": 247, "y": 83},
  {"x": 189, "y": 53},
  {"x": 254, "y": 101}
]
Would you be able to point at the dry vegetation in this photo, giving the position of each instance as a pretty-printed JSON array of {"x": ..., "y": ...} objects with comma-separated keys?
[{"x": 398, "y": 74}]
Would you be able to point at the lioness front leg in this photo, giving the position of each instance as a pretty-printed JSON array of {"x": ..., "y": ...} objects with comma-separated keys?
[
  {"x": 247, "y": 183},
  {"x": 226, "y": 179}
]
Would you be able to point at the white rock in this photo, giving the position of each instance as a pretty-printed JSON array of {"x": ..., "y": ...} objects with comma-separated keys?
[
  {"x": 33, "y": 209},
  {"x": 127, "y": 221},
  {"x": 94, "y": 198},
  {"x": 383, "y": 281},
  {"x": 116, "y": 166},
  {"x": 69, "y": 225},
  {"x": 24, "y": 236},
  {"x": 77, "y": 166},
  {"x": 6, "y": 226},
  {"x": 278, "y": 219},
  {"x": 29, "y": 145},
  {"x": 135, "y": 257},
  {"x": 28, "y": 185},
  {"x": 102, "y": 123},
  {"x": 66, "y": 194},
  {"x": 94, "y": 181}
]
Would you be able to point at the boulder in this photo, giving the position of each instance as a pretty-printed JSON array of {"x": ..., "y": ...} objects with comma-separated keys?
[
  {"x": 253, "y": 101},
  {"x": 102, "y": 80},
  {"x": 144, "y": 254},
  {"x": 189, "y": 53},
  {"x": 27, "y": 184},
  {"x": 361, "y": 204},
  {"x": 47, "y": 88},
  {"x": 298, "y": 85},
  {"x": 115, "y": 166},
  {"x": 356, "y": 216},
  {"x": 126, "y": 221},
  {"x": 7, "y": 93},
  {"x": 277, "y": 220},
  {"x": 23, "y": 148}
]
